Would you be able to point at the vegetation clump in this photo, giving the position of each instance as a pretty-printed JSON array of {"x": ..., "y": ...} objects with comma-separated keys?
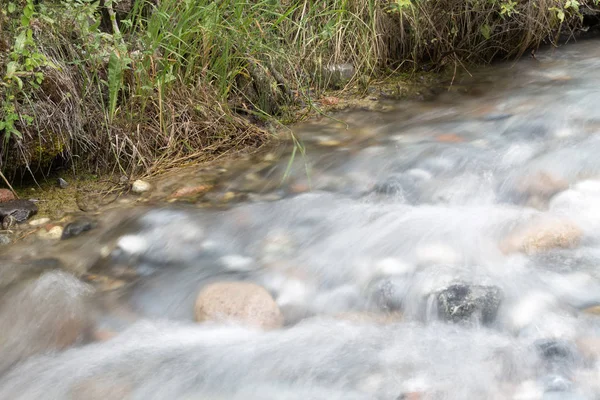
[{"x": 136, "y": 86}]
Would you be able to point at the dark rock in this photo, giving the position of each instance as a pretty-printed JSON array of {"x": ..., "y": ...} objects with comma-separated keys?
[
  {"x": 462, "y": 302},
  {"x": 19, "y": 210},
  {"x": 401, "y": 185},
  {"x": 76, "y": 228},
  {"x": 387, "y": 294},
  {"x": 62, "y": 183}
]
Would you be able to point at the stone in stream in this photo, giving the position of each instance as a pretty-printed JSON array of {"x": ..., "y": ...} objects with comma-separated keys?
[
  {"x": 4, "y": 240},
  {"x": 242, "y": 302},
  {"x": 77, "y": 227},
  {"x": 42, "y": 315},
  {"x": 6, "y": 195},
  {"x": 461, "y": 302},
  {"x": 50, "y": 233},
  {"x": 542, "y": 235},
  {"x": 16, "y": 211}
]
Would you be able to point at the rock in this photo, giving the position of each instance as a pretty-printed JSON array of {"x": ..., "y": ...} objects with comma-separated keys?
[
  {"x": 4, "y": 240},
  {"x": 594, "y": 310},
  {"x": 387, "y": 294},
  {"x": 39, "y": 221},
  {"x": 242, "y": 302},
  {"x": 54, "y": 233},
  {"x": 42, "y": 315},
  {"x": 542, "y": 184},
  {"x": 62, "y": 183},
  {"x": 461, "y": 302},
  {"x": 76, "y": 228},
  {"x": 449, "y": 138},
  {"x": 542, "y": 235},
  {"x": 140, "y": 186},
  {"x": 6, "y": 195},
  {"x": 19, "y": 210},
  {"x": 191, "y": 191}
]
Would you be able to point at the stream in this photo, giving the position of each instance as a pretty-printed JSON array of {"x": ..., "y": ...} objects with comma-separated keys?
[{"x": 439, "y": 249}]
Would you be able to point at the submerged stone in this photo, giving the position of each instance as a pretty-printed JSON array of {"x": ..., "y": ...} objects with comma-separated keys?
[
  {"x": 78, "y": 227},
  {"x": 241, "y": 302},
  {"x": 462, "y": 302}
]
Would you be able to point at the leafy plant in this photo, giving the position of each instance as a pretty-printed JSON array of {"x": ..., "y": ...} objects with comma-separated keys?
[{"x": 22, "y": 69}]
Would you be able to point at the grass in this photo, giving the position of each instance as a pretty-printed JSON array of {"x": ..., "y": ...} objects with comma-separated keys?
[{"x": 139, "y": 86}]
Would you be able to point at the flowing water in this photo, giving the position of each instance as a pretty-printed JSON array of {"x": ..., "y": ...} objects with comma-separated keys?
[{"x": 447, "y": 249}]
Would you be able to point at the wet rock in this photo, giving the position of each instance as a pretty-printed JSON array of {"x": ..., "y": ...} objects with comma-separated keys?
[
  {"x": 54, "y": 233},
  {"x": 557, "y": 351},
  {"x": 19, "y": 210},
  {"x": 140, "y": 186},
  {"x": 42, "y": 315},
  {"x": 542, "y": 235},
  {"x": 242, "y": 302},
  {"x": 462, "y": 302},
  {"x": 76, "y": 228},
  {"x": 191, "y": 191},
  {"x": 39, "y": 221},
  {"x": 6, "y": 195},
  {"x": 541, "y": 184},
  {"x": 62, "y": 183},
  {"x": 449, "y": 138},
  {"x": 387, "y": 294}
]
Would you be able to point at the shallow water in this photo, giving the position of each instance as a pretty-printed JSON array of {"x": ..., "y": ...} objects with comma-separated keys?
[{"x": 486, "y": 198}]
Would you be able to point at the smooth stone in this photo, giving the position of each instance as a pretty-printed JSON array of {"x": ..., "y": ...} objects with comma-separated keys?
[
  {"x": 42, "y": 315},
  {"x": 62, "y": 183},
  {"x": 76, "y": 228},
  {"x": 140, "y": 186},
  {"x": 542, "y": 235},
  {"x": 4, "y": 240},
  {"x": 39, "y": 221},
  {"x": 6, "y": 195},
  {"x": 53, "y": 233},
  {"x": 463, "y": 302},
  {"x": 241, "y": 302}
]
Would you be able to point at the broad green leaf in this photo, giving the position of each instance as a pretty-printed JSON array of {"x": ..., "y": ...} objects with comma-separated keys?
[
  {"x": 486, "y": 31},
  {"x": 20, "y": 42},
  {"x": 11, "y": 68}
]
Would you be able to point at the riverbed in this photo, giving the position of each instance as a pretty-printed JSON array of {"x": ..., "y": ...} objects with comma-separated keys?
[{"x": 439, "y": 249}]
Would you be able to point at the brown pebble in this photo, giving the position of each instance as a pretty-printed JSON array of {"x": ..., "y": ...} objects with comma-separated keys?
[
  {"x": 242, "y": 302},
  {"x": 191, "y": 191},
  {"x": 6, "y": 195},
  {"x": 449, "y": 138}
]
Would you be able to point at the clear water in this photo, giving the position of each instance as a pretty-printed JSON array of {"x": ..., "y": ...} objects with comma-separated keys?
[{"x": 356, "y": 241}]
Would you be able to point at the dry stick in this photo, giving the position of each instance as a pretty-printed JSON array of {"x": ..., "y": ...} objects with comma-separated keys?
[{"x": 8, "y": 183}]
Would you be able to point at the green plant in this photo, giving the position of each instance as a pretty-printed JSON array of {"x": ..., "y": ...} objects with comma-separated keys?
[{"x": 22, "y": 69}]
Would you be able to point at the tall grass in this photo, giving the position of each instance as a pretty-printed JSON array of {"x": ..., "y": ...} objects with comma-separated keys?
[{"x": 181, "y": 81}]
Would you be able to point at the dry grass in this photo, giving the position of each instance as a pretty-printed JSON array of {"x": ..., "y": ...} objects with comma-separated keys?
[{"x": 196, "y": 80}]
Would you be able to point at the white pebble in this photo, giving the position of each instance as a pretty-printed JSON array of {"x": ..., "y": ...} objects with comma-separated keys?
[
  {"x": 39, "y": 221},
  {"x": 235, "y": 262},
  {"x": 140, "y": 186},
  {"x": 132, "y": 244},
  {"x": 53, "y": 234}
]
